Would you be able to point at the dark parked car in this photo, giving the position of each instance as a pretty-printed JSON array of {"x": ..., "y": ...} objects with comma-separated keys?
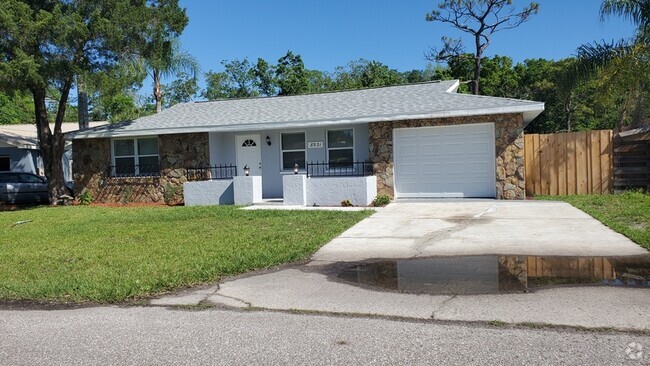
[{"x": 17, "y": 187}]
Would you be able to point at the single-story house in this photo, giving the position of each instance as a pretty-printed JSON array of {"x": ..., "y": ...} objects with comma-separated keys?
[
  {"x": 418, "y": 140},
  {"x": 19, "y": 149}
]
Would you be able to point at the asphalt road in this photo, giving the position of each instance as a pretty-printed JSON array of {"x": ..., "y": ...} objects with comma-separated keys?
[{"x": 156, "y": 336}]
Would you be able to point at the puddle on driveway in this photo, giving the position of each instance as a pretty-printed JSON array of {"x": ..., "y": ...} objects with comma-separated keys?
[{"x": 497, "y": 274}]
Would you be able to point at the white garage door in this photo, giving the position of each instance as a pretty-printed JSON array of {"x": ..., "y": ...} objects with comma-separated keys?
[{"x": 445, "y": 161}]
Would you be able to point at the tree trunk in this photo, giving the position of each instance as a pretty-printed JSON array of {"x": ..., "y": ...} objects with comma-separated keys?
[
  {"x": 638, "y": 114},
  {"x": 82, "y": 103},
  {"x": 51, "y": 147},
  {"x": 477, "y": 66},
  {"x": 157, "y": 90}
]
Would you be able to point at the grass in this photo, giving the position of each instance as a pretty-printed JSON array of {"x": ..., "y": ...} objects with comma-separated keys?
[
  {"x": 102, "y": 254},
  {"x": 627, "y": 213}
]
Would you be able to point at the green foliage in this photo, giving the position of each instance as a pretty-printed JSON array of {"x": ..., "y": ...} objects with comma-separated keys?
[
  {"x": 170, "y": 194},
  {"x": 135, "y": 252},
  {"x": 238, "y": 80},
  {"x": 265, "y": 78},
  {"x": 291, "y": 76},
  {"x": 181, "y": 90},
  {"x": 86, "y": 198},
  {"x": 45, "y": 45},
  {"x": 17, "y": 108},
  {"x": 381, "y": 200}
]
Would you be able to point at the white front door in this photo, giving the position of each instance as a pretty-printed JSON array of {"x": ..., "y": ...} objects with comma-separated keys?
[{"x": 248, "y": 153}]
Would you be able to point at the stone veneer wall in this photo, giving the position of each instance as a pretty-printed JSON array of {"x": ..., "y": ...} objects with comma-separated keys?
[
  {"x": 509, "y": 144},
  {"x": 92, "y": 158}
]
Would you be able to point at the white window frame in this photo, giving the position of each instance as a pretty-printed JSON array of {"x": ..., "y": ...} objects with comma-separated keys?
[
  {"x": 354, "y": 152},
  {"x": 282, "y": 151},
  {"x": 136, "y": 155}
]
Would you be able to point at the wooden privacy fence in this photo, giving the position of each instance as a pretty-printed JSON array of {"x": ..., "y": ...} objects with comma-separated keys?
[
  {"x": 569, "y": 163},
  {"x": 632, "y": 160}
]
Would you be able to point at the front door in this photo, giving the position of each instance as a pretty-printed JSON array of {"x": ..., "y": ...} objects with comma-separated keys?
[{"x": 249, "y": 153}]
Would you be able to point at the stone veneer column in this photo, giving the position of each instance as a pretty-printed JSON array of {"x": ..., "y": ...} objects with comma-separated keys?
[{"x": 509, "y": 146}]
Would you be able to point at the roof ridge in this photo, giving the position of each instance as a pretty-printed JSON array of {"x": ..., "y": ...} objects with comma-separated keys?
[{"x": 259, "y": 97}]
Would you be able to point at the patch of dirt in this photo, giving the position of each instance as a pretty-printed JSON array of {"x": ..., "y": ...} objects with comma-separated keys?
[
  {"x": 8, "y": 207},
  {"x": 43, "y": 305}
]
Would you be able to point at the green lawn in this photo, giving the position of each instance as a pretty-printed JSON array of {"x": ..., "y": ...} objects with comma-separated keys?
[
  {"x": 102, "y": 254},
  {"x": 627, "y": 213}
]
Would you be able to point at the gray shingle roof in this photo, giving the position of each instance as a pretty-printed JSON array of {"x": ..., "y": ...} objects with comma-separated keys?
[{"x": 425, "y": 100}]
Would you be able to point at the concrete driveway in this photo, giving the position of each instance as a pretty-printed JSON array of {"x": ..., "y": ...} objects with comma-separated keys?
[{"x": 406, "y": 229}]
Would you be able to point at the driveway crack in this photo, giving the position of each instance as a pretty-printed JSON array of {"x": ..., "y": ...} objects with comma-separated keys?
[{"x": 433, "y": 315}]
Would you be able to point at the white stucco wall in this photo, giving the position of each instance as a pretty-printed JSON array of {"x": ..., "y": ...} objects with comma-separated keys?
[
  {"x": 208, "y": 193},
  {"x": 294, "y": 187},
  {"x": 223, "y": 151},
  {"x": 247, "y": 190},
  {"x": 330, "y": 191}
]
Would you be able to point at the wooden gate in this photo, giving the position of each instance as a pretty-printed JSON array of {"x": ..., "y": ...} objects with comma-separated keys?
[{"x": 569, "y": 163}]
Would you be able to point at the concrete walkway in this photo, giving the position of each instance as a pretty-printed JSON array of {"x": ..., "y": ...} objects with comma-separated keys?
[{"x": 421, "y": 229}]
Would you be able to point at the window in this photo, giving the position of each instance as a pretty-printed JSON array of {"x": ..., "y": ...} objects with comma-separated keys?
[
  {"x": 293, "y": 150},
  {"x": 135, "y": 157},
  {"x": 340, "y": 147},
  {"x": 5, "y": 164}
]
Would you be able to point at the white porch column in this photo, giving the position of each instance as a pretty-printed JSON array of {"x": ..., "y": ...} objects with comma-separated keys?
[
  {"x": 247, "y": 190},
  {"x": 294, "y": 189}
]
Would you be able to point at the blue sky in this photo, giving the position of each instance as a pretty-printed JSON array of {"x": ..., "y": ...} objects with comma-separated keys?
[{"x": 330, "y": 33}]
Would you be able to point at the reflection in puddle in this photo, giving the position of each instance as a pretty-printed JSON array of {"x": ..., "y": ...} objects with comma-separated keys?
[{"x": 493, "y": 274}]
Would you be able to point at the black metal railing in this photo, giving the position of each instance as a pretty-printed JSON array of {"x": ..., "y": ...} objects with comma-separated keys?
[
  {"x": 129, "y": 171},
  {"x": 326, "y": 169},
  {"x": 211, "y": 173}
]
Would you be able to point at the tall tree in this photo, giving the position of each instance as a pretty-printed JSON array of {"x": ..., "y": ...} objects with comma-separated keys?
[
  {"x": 265, "y": 78},
  {"x": 236, "y": 81},
  {"x": 45, "y": 44},
  {"x": 164, "y": 58},
  {"x": 479, "y": 18},
  {"x": 291, "y": 75}
]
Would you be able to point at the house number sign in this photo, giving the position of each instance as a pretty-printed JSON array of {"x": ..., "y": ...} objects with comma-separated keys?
[{"x": 315, "y": 144}]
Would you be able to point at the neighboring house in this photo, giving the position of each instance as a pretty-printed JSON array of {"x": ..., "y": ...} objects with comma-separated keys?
[
  {"x": 419, "y": 140},
  {"x": 19, "y": 149}
]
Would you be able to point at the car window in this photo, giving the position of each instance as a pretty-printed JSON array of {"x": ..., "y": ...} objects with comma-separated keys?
[
  {"x": 29, "y": 178},
  {"x": 8, "y": 178}
]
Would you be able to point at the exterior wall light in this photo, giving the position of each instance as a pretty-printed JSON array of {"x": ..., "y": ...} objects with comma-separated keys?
[
  {"x": 295, "y": 168},
  {"x": 268, "y": 140},
  {"x": 247, "y": 170}
]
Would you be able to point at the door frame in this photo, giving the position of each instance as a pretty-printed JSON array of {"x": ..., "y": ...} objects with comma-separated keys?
[{"x": 239, "y": 139}]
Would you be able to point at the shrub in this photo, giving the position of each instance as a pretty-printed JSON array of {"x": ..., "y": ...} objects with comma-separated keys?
[
  {"x": 381, "y": 200},
  {"x": 346, "y": 203},
  {"x": 86, "y": 198}
]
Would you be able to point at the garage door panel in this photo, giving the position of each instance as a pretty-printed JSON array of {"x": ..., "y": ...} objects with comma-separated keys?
[
  {"x": 445, "y": 161},
  {"x": 408, "y": 151},
  {"x": 431, "y": 149}
]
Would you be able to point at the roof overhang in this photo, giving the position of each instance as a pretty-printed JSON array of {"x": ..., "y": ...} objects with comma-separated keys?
[{"x": 18, "y": 141}]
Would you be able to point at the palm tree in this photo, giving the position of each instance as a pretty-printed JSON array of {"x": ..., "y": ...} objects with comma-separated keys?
[
  {"x": 634, "y": 52},
  {"x": 166, "y": 60}
]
